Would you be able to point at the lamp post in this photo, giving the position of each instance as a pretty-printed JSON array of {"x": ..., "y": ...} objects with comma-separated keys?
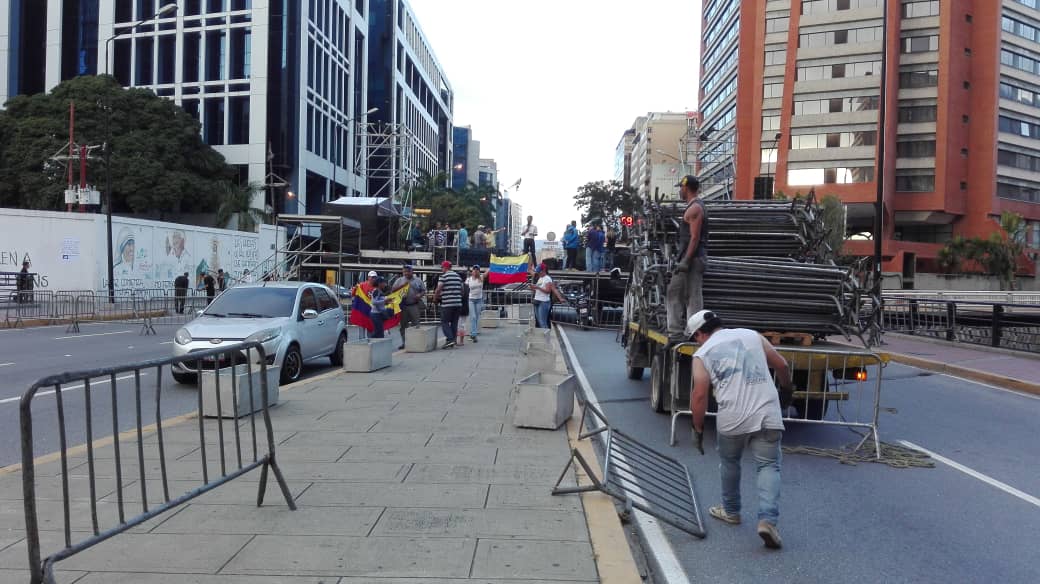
[
  {"x": 167, "y": 9},
  {"x": 771, "y": 165}
]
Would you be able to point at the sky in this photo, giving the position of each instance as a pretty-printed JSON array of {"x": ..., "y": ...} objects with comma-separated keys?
[{"x": 550, "y": 86}]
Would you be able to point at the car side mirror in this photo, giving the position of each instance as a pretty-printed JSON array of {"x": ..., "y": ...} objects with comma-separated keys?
[{"x": 310, "y": 313}]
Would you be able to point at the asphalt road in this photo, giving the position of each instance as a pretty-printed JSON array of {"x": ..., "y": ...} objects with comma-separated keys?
[
  {"x": 27, "y": 355},
  {"x": 865, "y": 523}
]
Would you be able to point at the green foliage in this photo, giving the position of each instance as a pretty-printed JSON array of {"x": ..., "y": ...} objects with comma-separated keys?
[
  {"x": 471, "y": 206},
  {"x": 832, "y": 213},
  {"x": 997, "y": 255},
  {"x": 159, "y": 162},
  {"x": 606, "y": 201},
  {"x": 236, "y": 207}
]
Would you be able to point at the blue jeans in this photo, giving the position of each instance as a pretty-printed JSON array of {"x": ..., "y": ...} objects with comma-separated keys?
[
  {"x": 475, "y": 308},
  {"x": 765, "y": 449},
  {"x": 541, "y": 313}
]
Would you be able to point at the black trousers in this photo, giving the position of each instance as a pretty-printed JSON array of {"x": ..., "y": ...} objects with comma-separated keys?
[
  {"x": 180, "y": 295},
  {"x": 529, "y": 247},
  {"x": 450, "y": 321},
  {"x": 572, "y": 258}
]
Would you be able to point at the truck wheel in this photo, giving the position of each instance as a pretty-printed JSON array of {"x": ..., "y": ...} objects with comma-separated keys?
[
  {"x": 635, "y": 373},
  {"x": 660, "y": 397}
]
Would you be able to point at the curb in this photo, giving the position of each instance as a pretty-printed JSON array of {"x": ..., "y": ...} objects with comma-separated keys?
[{"x": 1001, "y": 381}]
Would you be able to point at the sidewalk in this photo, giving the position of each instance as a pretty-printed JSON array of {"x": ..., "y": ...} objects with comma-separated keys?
[
  {"x": 1008, "y": 369},
  {"x": 410, "y": 474}
]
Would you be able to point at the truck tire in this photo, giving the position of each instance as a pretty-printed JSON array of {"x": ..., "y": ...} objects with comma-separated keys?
[
  {"x": 660, "y": 396},
  {"x": 635, "y": 373}
]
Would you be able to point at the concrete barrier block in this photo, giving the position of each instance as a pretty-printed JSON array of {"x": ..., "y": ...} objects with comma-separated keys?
[
  {"x": 242, "y": 376},
  {"x": 543, "y": 400},
  {"x": 421, "y": 339},
  {"x": 540, "y": 358},
  {"x": 368, "y": 355},
  {"x": 489, "y": 319}
]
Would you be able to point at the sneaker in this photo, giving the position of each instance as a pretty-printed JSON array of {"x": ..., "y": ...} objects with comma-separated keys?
[
  {"x": 448, "y": 344},
  {"x": 473, "y": 338},
  {"x": 719, "y": 512},
  {"x": 401, "y": 348},
  {"x": 767, "y": 531}
]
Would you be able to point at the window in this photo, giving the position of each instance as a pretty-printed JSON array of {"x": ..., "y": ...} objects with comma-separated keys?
[
  {"x": 839, "y": 37},
  {"x": 921, "y": 9},
  {"x": 776, "y": 57},
  {"x": 216, "y": 50},
  {"x": 915, "y": 183},
  {"x": 917, "y": 79},
  {"x": 916, "y": 149},
  {"x": 825, "y": 6},
  {"x": 1018, "y": 192},
  {"x": 770, "y": 90},
  {"x": 144, "y": 56},
  {"x": 917, "y": 113},
  {"x": 836, "y": 105},
  {"x": 862, "y": 69},
  {"x": 241, "y": 53},
  {"x": 830, "y": 175},
  {"x": 325, "y": 300},
  {"x": 770, "y": 123},
  {"x": 167, "y": 59},
  {"x": 777, "y": 24},
  {"x": 1018, "y": 127},
  {"x": 238, "y": 120},
  {"x": 308, "y": 301},
  {"x": 213, "y": 122},
  {"x": 920, "y": 44},
  {"x": 834, "y": 140}
]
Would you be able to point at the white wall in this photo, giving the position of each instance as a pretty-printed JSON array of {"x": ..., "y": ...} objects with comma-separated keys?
[{"x": 68, "y": 250}]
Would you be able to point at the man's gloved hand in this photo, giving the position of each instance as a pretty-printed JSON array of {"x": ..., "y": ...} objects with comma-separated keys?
[{"x": 698, "y": 441}]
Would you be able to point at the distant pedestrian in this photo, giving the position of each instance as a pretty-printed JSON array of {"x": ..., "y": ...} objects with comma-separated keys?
[
  {"x": 544, "y": 291},
  {"x": 594, "y": 249},
  {"x": 480, "y": 238},
  {"x": 735, "y": 364},
  {"x": 571, "y": 242},
  {"x": 24, "y": 284},
  {"x": 180, "y": 292},
  {"x": 529, "y": 232},
  {"x": 416, "y": 237},
  {"x": 463, "y": 237},
  {"x": 610, "y": 250},
  {"x": 475, "y": 282},
  {"x": 247, "y": 278},
  {"x": 449, "y": 294},
  {"x": 379, "y": 313},
  {"x": 412, "y": 303},
  {"x": 370, "y": 284},
  {"x": 211, "y": 287},
  {"x": 460, "y": 330},
  {"x": 221, "y": 280}
]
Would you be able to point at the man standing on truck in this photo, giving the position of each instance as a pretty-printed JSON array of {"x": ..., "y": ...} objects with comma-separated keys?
[
  {"x": 529, "y": 233},
  {"x": 683, "y": 297},
  {"x": 736, "y": 363}
]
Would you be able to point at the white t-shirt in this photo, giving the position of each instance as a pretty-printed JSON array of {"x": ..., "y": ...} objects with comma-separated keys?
[
  {"x": 748, "y": 400},
  {"x": 530, "y": 231},
  {"x": 540, "y": 296},
  {"x": 476, "y": 288}
]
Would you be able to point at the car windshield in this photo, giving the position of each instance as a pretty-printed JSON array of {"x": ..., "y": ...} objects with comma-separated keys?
[{"x": 254, "y": 302}]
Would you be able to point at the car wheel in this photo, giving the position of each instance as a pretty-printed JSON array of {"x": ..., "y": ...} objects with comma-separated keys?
[
  {"x": 185, "y": 378},
  {"x": 337, "y": 356},
  {"x": 292, "y": 365}
]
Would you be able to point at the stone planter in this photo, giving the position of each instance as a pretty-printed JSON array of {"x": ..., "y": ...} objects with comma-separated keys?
[
  {"x": 540, "y": 358},
  {"x": 421, "y": 339},
  {"x": 543, "y": 400},
  {"x": 242, "y": 387},
  {"x": 368, "y": 355},
  {"x": 490, "y": 319},
  {"x": 540, "y": 338}
]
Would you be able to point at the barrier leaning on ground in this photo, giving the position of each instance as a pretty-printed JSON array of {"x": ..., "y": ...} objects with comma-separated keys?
[{"x": 232, "y": 464}]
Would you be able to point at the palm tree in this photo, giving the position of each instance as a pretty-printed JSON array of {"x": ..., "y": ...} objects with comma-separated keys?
[{"x": 236, "y": 206}]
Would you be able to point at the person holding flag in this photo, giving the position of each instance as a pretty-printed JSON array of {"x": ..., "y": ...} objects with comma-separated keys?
[{"x": 376, "y": 312}]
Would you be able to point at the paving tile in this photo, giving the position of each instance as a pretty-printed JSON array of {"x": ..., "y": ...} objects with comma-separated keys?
[
  {"x": 50, "y": 488},
  {"x": 241, "y": 491},
  {"x": 532, "y": 441},
  {"x": 476, "y": 454},
  {"x": 534, "y": 560},
  {"x": 23, "y": 576},
  {"x": 393, "y": 495},
  {"x": 307, "y": 439},
  {"x": 476, "y": 426},
  {"x": 346, "y": 471},
  {"x": 271, "y": 520},
  {"x": 530, "y": 497},
  {"x": 484, "y": 523},
  {"x": 383, "y": 557},
  {"x": 485, "y": 474},
  {"x": 352, "y": 580},
  {"x": 137, "y": 578}
]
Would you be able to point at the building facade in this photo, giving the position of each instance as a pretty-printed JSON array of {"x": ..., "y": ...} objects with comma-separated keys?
[
  {"x": 849, "y": 97},
  {"x": 623, "y": 158},
  {"x": 465, "y": 166},
  {"x": 655, "y": 160}
]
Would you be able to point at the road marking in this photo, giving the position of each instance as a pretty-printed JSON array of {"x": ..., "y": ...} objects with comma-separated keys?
[
  {"x": 975, "y": 474},
  {"x": 6, "y": 364},
  {"x": 71, "y": 388},
  {"x": 671, "y": 570},
  {"x": 91, "y": 335}
]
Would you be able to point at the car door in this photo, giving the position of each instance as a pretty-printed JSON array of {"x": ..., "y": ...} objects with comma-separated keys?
[
  {"x": 331, "y": 314},
  {"x": 311, "y": 329}
]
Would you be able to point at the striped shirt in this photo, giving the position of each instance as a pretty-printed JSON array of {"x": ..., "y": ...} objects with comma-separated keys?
[{"x": 451, "y": 289}]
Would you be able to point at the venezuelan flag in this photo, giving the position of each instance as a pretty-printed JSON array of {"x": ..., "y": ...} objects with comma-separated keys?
[
  {"x": 508, "y": 270},
  {"x": 361, "y": 309}
]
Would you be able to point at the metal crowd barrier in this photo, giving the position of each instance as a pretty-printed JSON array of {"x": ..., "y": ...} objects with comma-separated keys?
[
  {"x": 1005, "y": 325},
  {"x": 821, "y": 377},
  {"x": 231, "y": 464}
]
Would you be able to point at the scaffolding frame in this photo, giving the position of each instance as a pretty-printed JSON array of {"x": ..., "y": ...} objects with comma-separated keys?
[{"x": 383, "y": 158}]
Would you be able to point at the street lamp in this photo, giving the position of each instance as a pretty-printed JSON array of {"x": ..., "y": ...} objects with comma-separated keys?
[
  {"x": 167, "y": 9},
  {"x": 771, "y": 162}
]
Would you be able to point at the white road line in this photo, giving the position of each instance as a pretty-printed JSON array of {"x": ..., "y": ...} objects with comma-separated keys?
[
  {"x": 672, "y": 571},
  {"x": 100, "y": 381},
  {"x": 91, "y": 335},
  {"x": 6, "y": 364},
  {"x": 975, "y": 474}
]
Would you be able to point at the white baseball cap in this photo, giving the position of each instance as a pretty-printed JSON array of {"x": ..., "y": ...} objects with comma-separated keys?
[
  {"x": 373, "y": 274},
  {"x": 695, "y": 322}
]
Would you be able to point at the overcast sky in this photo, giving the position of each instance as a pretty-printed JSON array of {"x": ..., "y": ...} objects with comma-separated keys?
[{"x": 549, "y": 86}]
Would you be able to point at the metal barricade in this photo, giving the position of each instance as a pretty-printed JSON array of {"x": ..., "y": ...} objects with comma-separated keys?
[
  {"x": 232, "y": 465},
  {"x": 821, "y": 377}
]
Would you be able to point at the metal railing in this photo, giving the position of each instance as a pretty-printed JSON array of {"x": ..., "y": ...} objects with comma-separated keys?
[
  {"x": 245, "y": 357},
  {"x": 850, "y": 379},
  {"x": 995, "y": 324}
]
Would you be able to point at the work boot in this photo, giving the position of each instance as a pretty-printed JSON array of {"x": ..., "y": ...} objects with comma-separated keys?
[
  {"x": 719, "y": 512},
  {"x": 767, "y": 531}
]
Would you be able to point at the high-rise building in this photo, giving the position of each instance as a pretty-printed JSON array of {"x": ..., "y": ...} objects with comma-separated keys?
[
  {"x": 653, "y": 148},
  {"x": 514, "y": 227},
  {"x": 942, "y": 97},
  {"x": 408, "y": 85},
  {"x": 465, "y": 166},
  {"x": 276, "y": 86},
  {"x": 488, "y": 173}
]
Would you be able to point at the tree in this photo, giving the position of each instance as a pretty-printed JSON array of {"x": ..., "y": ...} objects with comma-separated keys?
[
  {"x": 236, "y": 207},
  {"x": 997, "y": 255},
  {"x": 832, "y": 214},
  {"x": 158, "y": 159},
  {"x": 606, "y": 201},
  {"x": 471, "y": 206}
]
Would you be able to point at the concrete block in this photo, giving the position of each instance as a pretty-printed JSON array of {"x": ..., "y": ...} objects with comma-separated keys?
[
  {"x": 366, "y": 355},
  {"x": 525, "y": 313},
  {"x": 535, "y": 337},
  {"x": 421, "y": 339},
  {"x": 539, "y": 359},
  {"x": 243, "y": 386},
  {"x": 543, "y": 400},
  {"x": 489, "y": 319}
]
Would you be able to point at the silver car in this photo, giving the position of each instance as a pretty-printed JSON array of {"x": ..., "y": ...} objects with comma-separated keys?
[{"x": 296, "y": 322}]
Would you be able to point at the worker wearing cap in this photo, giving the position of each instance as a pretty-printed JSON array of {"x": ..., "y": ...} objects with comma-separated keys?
[
  {"x": 735, "y": 363},
  {"x": 368, "y": 285},
  {"x": 684, "y": 297},
  {"x": 412, "y": 303}
]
